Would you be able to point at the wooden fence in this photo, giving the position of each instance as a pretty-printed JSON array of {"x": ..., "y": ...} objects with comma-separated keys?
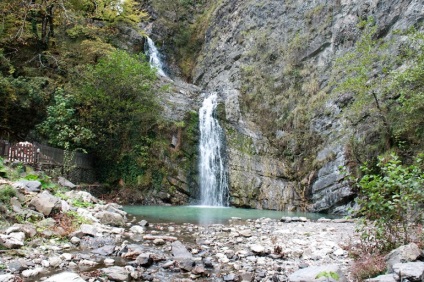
[{"x": 48, "y": 158}]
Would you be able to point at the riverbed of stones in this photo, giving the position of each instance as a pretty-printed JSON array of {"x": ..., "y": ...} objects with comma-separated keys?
[{"x": 113, "y": 246}]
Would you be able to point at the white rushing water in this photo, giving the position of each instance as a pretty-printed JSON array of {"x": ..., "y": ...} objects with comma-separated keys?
[
  {"x": 212, "y": 165},
  {"x": 154, "y": 57}
]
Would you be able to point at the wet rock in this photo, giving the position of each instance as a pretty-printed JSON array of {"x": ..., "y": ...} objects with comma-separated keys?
[
  {"x": 383, "y": 278},
  {"x": 231, "y": 277},
  {"x": 28, "y": 186},
  {"x": 308, "y": 274},
  {"x": 159, "y": 242},
  {"x": 257, "y": 249},
  {"x": 27, "y": 228},
  {"x": 32, "y": 272},
  {"x": 144, "y": 260},
  {"x": 198, "y": 270},
  {"x": 7, "y": 278},
  {"x": 88, "y": 229},
  {"x": 109, "y": 261},
  {"x": 105, "y": 250},
  {"x": 13, "y": 240},
  {"x": 64, "y": 277},
  {"x": 246, "y": 277},
  {"x": 143, "y": 223},
  {"x": 186, "y": 264},
  {"x": 110, "y": 218},
  {"x": 75, "y": 240},
  {"x": 413, "y": 271},
  {"x": 66, "y": 256},
  {"x": 168, "y": 264},
  {"x": 116, "y": 273},
  {"x": 45, "y": 203},
  {"x": 404, "y": 253},
  {"x": 55, "y": 261},
  {"x": 137, "y": 229},
  {"x": 179, "y": 251},
  {"x": 66, "y": 183},
  {"x": 17, "y": 265},
  {"x": 245, "y": 233},
  {"x": 208, "y": 262},
  {"x": 87, "y": 263}
]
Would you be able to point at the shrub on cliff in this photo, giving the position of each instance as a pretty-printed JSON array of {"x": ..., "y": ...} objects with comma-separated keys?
[{"x": 390, "y": 198}]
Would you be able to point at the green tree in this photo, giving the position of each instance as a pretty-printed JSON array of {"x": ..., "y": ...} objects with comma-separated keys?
[
  {"x": 116, "y": 101},
  {"x": 62, "y": 126},
  {"x": 23, "y": 105}
]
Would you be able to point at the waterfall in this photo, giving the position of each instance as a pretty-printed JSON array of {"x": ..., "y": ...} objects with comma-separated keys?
[
  {"x": 212, "y": 165},
  {"x": 154, "y": 57}
]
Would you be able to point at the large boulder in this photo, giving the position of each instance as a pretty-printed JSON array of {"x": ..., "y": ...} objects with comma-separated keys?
[
  {"x": 28, "y": 186},
  {"x": 45, "y": 203},
  {"x": 65, "y": 183},
  {"x": 411, "y": 271},
  {"x": 13, "y": 240},
  {"x": 404, "y": 253},
  {"x": 309, "y": 274},
  {"x": 179, "y": 251},
  {"x": 116, "y": 273},
  {"x": 110, "y": 218}
]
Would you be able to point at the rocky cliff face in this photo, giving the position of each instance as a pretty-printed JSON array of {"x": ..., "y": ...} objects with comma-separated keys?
[{"x": 271, "y": 63}]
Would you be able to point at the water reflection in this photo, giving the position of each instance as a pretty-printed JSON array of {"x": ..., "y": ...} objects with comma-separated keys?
[{"x": 204, "y": 215}]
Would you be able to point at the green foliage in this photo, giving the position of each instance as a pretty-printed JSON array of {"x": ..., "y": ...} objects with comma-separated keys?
[
  {"x": 6, "y": 193},
  {"x": 408, "y": 83},
  {"x": 3, "y": 170},
  {"x": 389, "y": 200},
  {"x": 77, "y": 219},
  {"x": 23, "y": 104},
  {"x": 117, "y": 104},
  {"x": 62, "y": 127},
  {"x": 328, "y": 275},
  {"x": 80, "y": 203}
]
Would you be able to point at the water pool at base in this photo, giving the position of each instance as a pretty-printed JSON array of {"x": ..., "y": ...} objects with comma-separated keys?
[{"x": 207, "y": 215}]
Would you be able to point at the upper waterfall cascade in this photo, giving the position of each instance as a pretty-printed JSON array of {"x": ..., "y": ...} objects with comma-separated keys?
[
  {"x": 154, "y": 57},
  {"x": 212, "y": 165}
]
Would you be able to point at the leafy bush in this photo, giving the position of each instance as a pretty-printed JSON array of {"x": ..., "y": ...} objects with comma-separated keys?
[
  {"x": 6, "y": 193},
  {"x": 389, "y": 198}
]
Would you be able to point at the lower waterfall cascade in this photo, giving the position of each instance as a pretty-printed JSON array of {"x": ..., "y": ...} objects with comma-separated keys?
[{"x": 212, "y": 165}]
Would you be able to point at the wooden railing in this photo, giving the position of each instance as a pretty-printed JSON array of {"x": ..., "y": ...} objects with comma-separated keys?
[{"x": 46, "y": 157}]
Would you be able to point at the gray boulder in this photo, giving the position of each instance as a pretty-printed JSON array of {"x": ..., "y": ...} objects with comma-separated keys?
[
  {"x": 383, "y": 278},
  {"x": 309, "y": 274},
  {"x": 28, "y": 186},
  {"x": 66, "y": 183},
  {"x": 413, "y": 271},
  {"x": 65, "y": 276},
  {"x": 179, "y": 251},
  {"x": 116, "y": 273},
  {"x": 7, "y": 278},
  {"x": 29, "y": 229},
  {"x": 144, "y": 260},
  {"x": 88, "y": 229},
  {"x": 110, "y": 218},
  {"x": 45, "y": 203},
  {"x": 404, "y": 253},
  {"x": 13, "y": 240}
]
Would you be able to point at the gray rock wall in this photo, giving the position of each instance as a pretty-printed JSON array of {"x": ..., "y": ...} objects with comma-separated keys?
[{"x": 272, "y": 39}]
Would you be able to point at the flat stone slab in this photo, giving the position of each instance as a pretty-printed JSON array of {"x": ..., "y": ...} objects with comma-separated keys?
[
  {"x": 179, "y": 251},
  {"x": 65, "y": 276},
  {"x": 309, "y": 274}
]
